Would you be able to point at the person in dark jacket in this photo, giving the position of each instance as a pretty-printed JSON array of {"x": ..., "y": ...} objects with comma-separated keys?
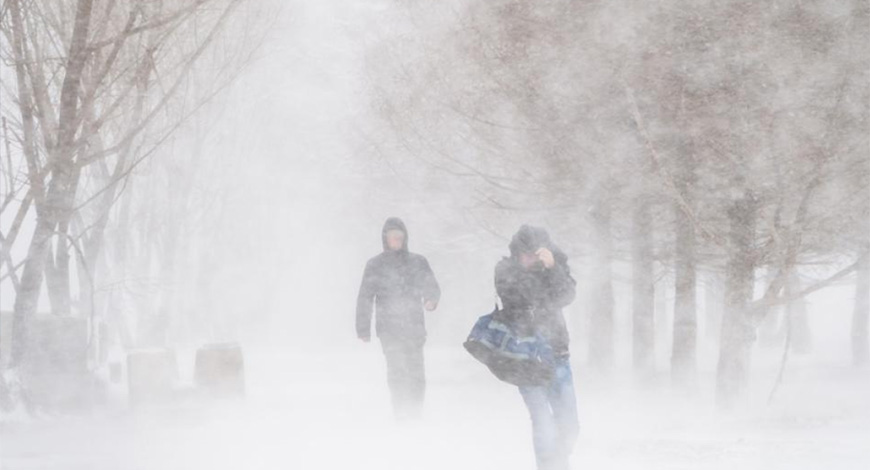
[
  {"x": 399, "y": 285},
  {"x": 534, "y": 283}
]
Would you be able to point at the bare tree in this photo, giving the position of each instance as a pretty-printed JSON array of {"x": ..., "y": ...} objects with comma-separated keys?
[{"x": 96, "y": 95}]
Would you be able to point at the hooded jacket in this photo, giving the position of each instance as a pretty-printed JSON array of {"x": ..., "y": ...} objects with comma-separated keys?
[
  {"x": 395, "y": 284},
  {"x": 532, "y": 299}
]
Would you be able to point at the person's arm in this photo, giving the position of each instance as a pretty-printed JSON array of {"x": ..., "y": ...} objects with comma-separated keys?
[
  {"x": 430, "y": 288},
  {"x": 364, "y": 303},
  {"x": 561, "y": 287}
]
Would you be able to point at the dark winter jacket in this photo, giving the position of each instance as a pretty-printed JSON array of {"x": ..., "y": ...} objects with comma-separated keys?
[
  {"x": 397, "y": 283},
  {"x": 532, "y": 299}
]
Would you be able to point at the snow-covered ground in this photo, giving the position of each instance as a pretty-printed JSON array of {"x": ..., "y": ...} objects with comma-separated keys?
[{"x": 319, "y": 410}]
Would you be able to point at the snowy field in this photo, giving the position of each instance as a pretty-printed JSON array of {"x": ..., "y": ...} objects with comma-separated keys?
[{"x": 331, "y": 411}]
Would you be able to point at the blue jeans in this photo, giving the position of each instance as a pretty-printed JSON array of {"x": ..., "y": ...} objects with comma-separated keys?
[{"x": 553, "y": 409}]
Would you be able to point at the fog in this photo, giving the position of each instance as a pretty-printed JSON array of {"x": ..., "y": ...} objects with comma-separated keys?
[{"x": 309, "y": 123}]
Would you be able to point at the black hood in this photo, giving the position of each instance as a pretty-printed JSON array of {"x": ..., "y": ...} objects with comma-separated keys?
[
  {"x": 394, "y": 223},
  {"x": 529, "y": 239}
]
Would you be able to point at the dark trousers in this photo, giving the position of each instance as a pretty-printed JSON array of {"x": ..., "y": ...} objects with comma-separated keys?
[{"x": 406, "y": 376}]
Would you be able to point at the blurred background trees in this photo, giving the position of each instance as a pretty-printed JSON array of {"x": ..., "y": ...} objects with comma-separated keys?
[{"x": 720, "y": 146}]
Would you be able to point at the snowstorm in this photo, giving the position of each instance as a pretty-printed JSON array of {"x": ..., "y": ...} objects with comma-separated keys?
[{"x": 458, "y": 234}]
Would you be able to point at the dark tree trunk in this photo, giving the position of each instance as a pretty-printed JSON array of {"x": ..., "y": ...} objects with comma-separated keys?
[
  {"x": 60, "y": 283},
  {"x": 685, "y": 340},
  {"x": 772, "y": 331},
  {"x": 663, "y": 322},
  {"x": 798, "y": 322},
  {"x": 714, "y": 297},
  {"x": 643, "y": 289},
  {"x": 31, "y": 285},
  {"x": 52, "y": 281},
  {"x": 738, "y": 332}
]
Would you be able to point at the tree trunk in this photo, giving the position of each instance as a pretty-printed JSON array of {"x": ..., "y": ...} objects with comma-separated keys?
[
  {"x": 31, "y": 285},
  {"x": 798, "y": 322},
  {"x": 685, "y": 337},
  {"x": 61, "y": 272},
  {"x": 52, "y": 281},
  {"x": 714, "y": 296},
  {"x": 601, "y": 316},
  {"x": 861, "y": 315},
  {"x": 772, "y": 331},
  {"x": 58, "y": 198},
  {"x": 25, "y": 106},
  {"x": 664, "y": 318},
  {"x": 738, "y": 332},
  {"x": 643, "y": 289}
]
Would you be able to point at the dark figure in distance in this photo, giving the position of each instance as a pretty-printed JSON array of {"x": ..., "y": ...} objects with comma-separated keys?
[
  {"x": 534, "y": 283},
  {"x": 399, "y": 285}
]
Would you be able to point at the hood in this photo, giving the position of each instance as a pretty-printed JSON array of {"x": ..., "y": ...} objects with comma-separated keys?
[
  {"x": 529, "y": 239},
  {"x": 394, "y": 223}
]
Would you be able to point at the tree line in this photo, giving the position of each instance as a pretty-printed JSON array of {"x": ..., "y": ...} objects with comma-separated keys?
[{"x": 720, "y": 142}]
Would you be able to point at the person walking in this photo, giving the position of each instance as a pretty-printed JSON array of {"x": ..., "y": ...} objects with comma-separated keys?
[
  {"x": 534, "y": 283},
  {"x": 398, "y": 285}
]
